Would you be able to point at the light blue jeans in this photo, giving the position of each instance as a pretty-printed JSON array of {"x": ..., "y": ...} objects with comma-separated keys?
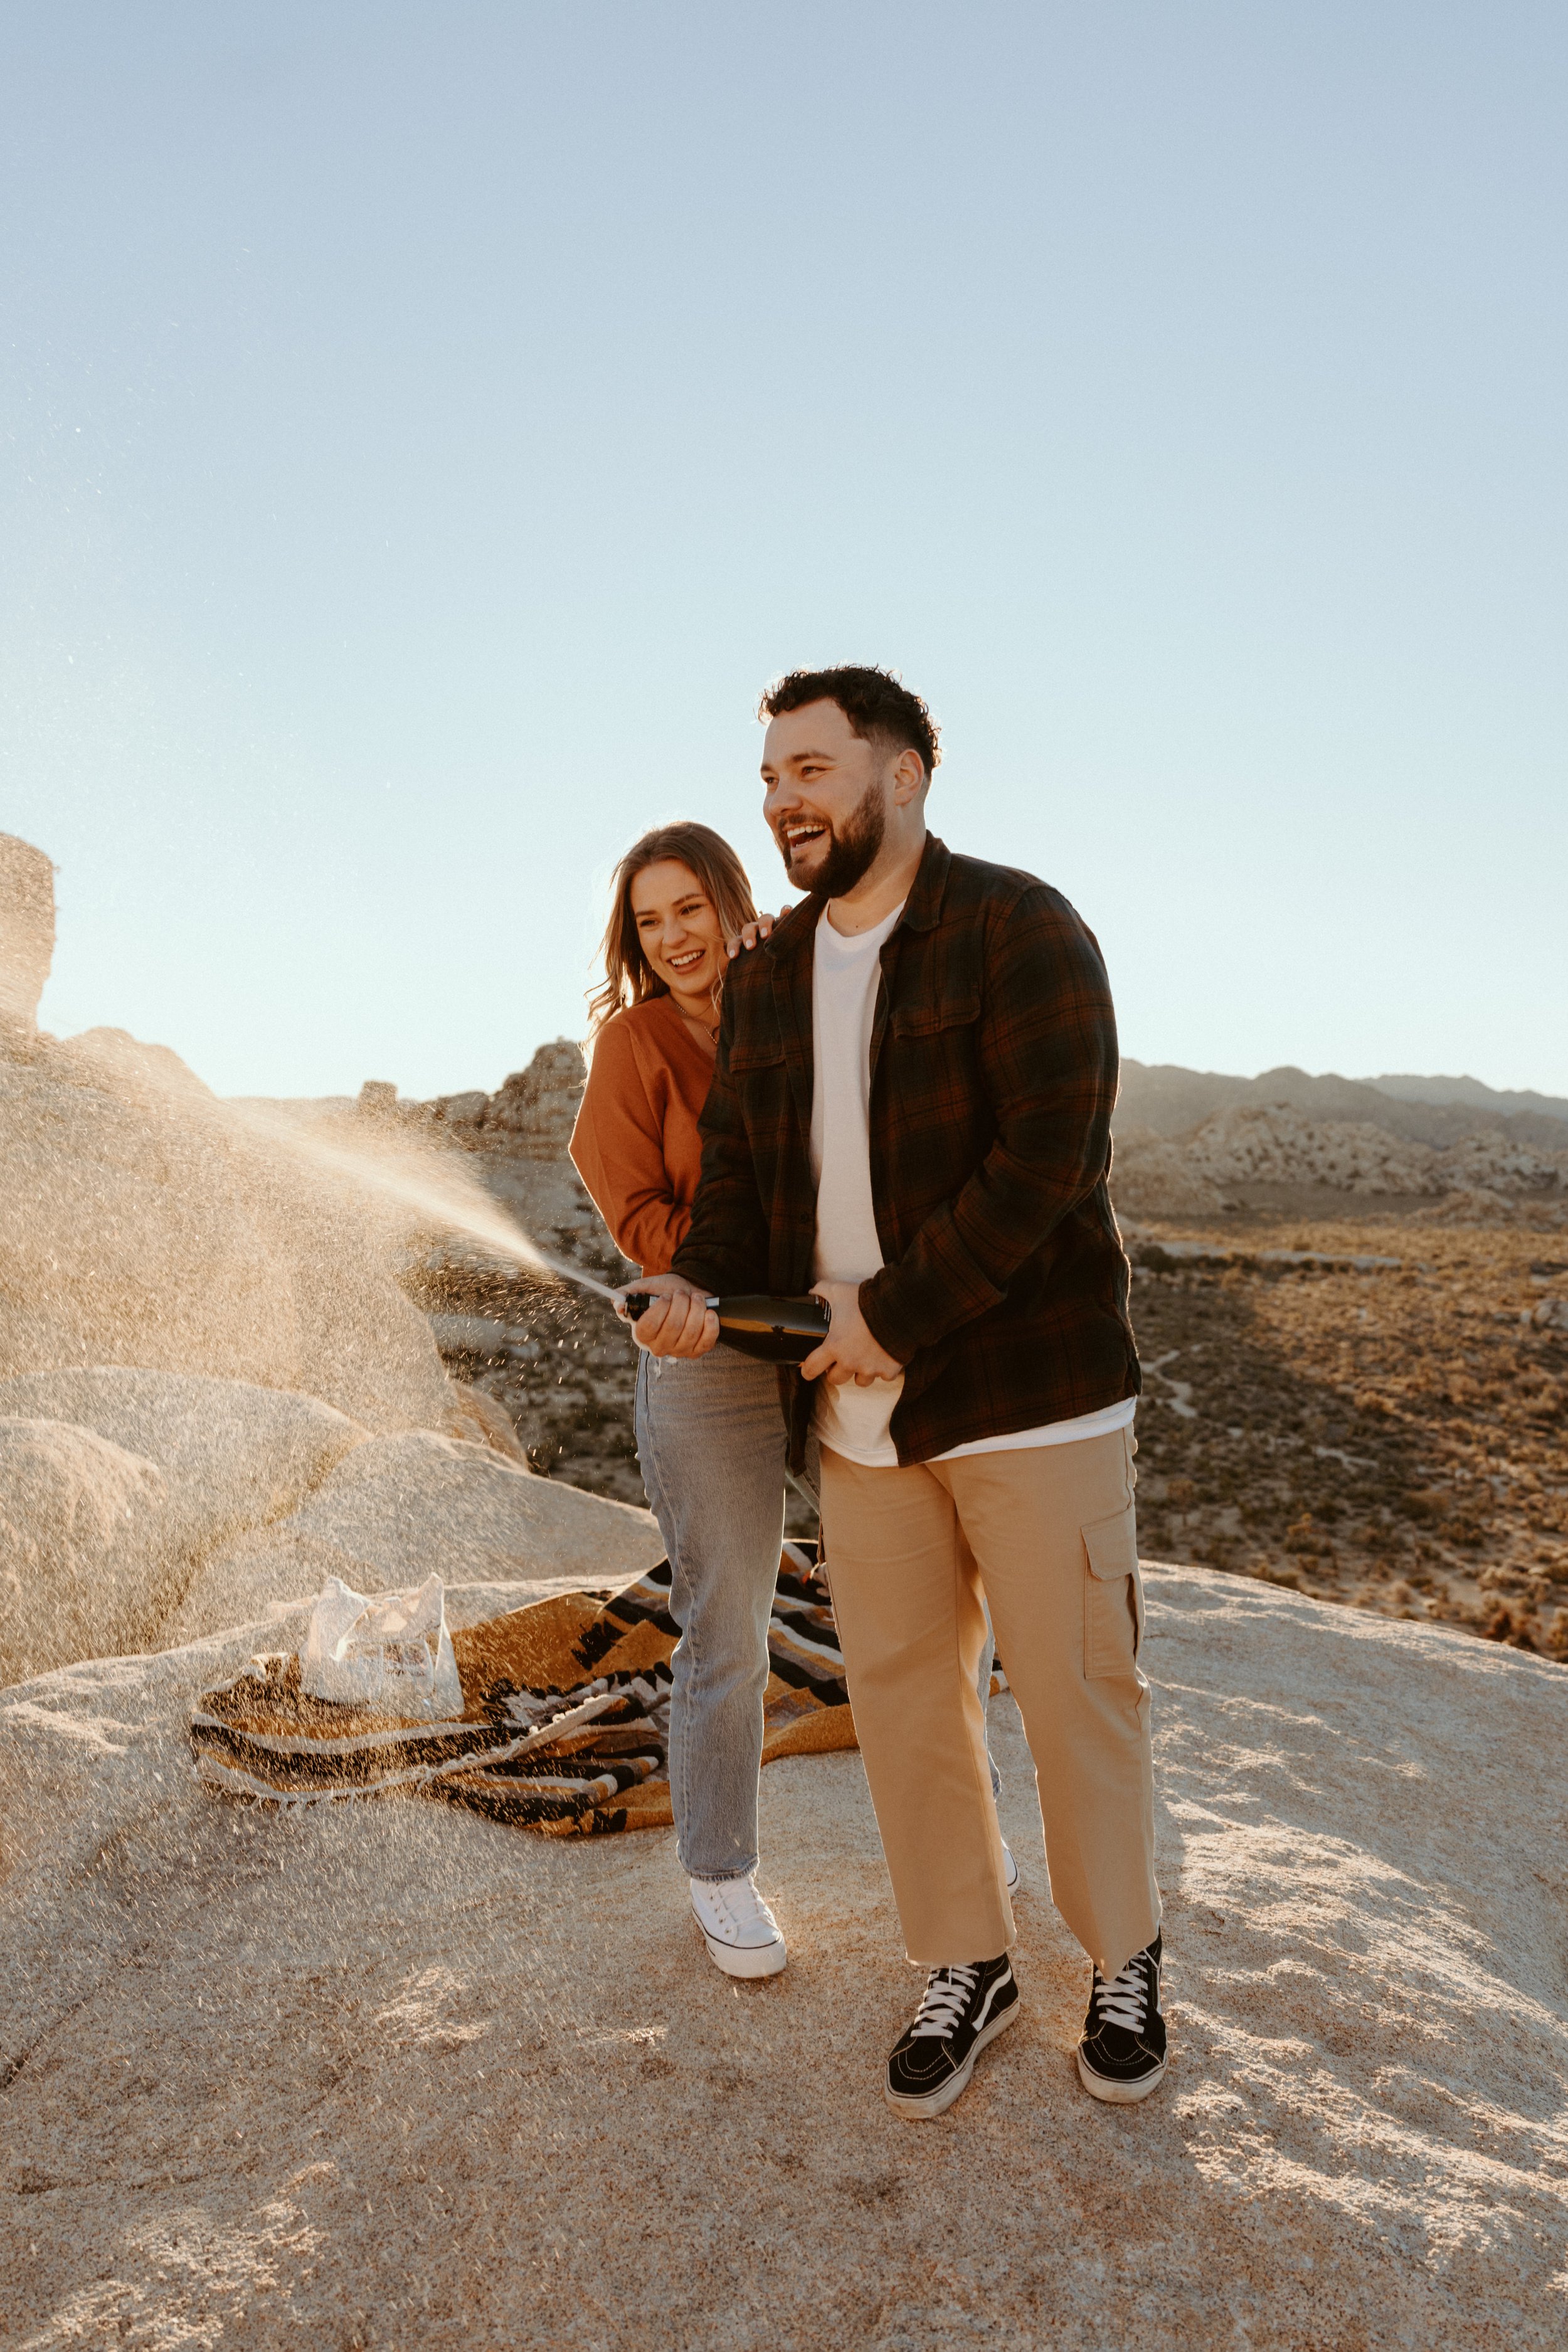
[
  {"x": 711, "y": 1440},
  {"x": 710, "y": 1443}
]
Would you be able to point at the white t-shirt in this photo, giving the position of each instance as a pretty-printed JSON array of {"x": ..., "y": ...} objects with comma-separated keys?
[{"x": 854, "y": 1421}]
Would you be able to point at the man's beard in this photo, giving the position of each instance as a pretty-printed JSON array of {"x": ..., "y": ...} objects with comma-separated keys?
[{"x": 850, "y": 853}]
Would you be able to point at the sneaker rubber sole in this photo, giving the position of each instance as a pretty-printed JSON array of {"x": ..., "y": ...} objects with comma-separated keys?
[
  {"x": 936, "y": 2103},
  {"x": 1115, "y": 2093},
  {"x": 746, "y": 1960}
]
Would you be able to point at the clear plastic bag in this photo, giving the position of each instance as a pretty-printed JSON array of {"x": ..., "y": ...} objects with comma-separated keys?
[{"x": 386, "y": 1650}]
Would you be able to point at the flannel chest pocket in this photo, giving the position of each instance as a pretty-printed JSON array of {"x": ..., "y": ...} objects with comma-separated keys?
[
  {"x": 929, "y": 1019},
  {"x": 761, "y": 1080},
  {"x": 756, "y": 1052},
  {"x": 1112, "y": 1595}
]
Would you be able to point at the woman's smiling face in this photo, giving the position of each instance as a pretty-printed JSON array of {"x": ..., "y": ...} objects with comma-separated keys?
[{"x": 678, "y": 931}]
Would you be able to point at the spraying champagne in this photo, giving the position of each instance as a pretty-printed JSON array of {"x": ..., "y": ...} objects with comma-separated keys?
[{"x": 779, "y": 1330}]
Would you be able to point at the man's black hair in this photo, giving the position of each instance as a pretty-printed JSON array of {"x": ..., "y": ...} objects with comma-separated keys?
[{"x": 873, "y": 701}]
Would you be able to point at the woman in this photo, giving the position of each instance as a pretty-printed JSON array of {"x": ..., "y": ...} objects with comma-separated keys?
[{"x": 710, "y": 1438}]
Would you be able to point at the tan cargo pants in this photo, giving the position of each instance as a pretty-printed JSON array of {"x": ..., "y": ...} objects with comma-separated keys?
[{"x": 1048, "y": 1534}]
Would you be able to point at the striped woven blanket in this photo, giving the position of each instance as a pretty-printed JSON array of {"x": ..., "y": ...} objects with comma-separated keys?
[{"x": 565, "y": 1719}]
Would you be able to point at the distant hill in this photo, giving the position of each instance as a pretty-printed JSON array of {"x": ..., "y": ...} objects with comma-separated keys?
[
  {"x": 1171, "y": 1101},
  {"x": 1471, "y": 1092}
]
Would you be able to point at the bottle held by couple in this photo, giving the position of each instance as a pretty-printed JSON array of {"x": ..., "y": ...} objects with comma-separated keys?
[{"x": 779, "y": 1330}]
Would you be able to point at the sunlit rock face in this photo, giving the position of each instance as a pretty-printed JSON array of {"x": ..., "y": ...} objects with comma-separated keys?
[
  {"x": 81, "y": 1538},
  {"x": 116, "y": 1482},
  {"x": 203, "y": 1317},
  {"x": 27, "y": 940},
  {"x": 137, "y": 1227},
  {"x": 397, "y": 1506}
]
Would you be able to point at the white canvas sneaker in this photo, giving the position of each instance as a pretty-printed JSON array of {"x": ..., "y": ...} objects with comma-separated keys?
[
  {"x": 741, "y": 1933},
  {"x": 1012, "y": 1867}
]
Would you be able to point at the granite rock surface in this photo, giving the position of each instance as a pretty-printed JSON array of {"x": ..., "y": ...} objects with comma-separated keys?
[
  {"x": 373, "y": 2076},
  {"x": 232, "y": 1454},
  {"x": 397, "y": 1508},
  {"x": 140, "y": 1224},
  {"x": 81, "y": 1522}
]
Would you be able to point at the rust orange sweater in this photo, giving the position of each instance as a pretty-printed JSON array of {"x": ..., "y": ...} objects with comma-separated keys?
[{"x": 636, "y": 1144}]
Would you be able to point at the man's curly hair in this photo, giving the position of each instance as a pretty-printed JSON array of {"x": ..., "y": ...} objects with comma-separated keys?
[{"x": 873, "y": 701}]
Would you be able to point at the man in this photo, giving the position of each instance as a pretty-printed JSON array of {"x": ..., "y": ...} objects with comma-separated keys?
[{"x": 910, "y": 1116}]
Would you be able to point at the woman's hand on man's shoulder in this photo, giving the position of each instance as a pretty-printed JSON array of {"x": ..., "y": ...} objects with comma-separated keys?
[{"x": 754, "y": 933}]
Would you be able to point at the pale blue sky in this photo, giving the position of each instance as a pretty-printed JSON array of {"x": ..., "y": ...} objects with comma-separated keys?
[{"x": 431, "y": 424}]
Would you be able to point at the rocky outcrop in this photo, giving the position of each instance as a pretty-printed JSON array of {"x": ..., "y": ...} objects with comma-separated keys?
[
  {"x": 517, "y": 1139},
  {"x": 199, "y": 1319},
  {"x": 1172, "y": 1101},
  {"x": 232, "y": 1455},
  {"x": 555, "y": 1361},
  {"x": 530, "y": 1114},
  {"x": 515, "y": 1142},
  {"x": 1150, "y": 1176},
  {"x": 1200, "y": 1173}
]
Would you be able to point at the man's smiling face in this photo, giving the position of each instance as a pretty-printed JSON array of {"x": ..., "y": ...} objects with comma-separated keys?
[{"x": 825, "y": 796}]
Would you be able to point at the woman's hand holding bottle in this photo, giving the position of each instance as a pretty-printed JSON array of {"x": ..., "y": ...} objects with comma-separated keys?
[{"x": 679, "y": 1322}]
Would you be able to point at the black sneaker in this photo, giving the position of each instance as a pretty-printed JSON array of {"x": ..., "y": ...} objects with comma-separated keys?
[
  {"x": 1121, "y": 2056},
  {"x": 963, "y": 2009}
]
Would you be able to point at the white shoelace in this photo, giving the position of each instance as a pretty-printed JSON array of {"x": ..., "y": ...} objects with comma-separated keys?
[
  {"x": 723, "y": 1907},
  {"x": 738, "y": 1903},
  {"x": 944, "y": 2001},
  {"x": 1124, "y": 2002}
]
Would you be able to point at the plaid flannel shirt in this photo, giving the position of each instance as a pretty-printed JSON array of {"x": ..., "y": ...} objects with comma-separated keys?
[{"x": 993, "y": 1070}]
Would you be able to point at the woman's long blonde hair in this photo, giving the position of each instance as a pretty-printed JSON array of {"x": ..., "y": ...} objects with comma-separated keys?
[{"x": 629, "y": 978}]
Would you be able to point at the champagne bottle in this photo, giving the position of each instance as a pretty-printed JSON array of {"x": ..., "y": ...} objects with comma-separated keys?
[{"x": 779, "y": 1330}]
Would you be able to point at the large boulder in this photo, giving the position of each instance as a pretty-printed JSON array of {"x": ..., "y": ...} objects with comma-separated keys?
[
  {"x": 232, "y": 1454},
  {"x": 397, "y": 1508},
  {"x": 27, "y": 940},
  {"x": 115, "y": 1481},
  {"x": 143, "y": 1223},
  {"x": 82, "y": 1560}
]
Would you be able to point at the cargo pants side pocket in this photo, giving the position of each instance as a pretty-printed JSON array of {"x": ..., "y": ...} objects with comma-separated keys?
[{"x": 1112, "y": 1595}]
